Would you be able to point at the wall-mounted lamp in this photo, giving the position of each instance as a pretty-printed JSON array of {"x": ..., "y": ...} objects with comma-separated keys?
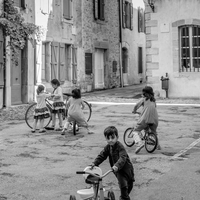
[{"x": 151, "y": 4}]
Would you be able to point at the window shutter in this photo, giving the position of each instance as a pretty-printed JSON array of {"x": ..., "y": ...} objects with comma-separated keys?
[
  {"x": 88, "y": 63},
  {"x": 54, "y": 60},
  {"x": 47, "y": 62},
  {"x": 38, "y": 61},
  {"x": 143, "y": 21},
  {"x": 131, "y": 15},
  {"x": 1, "y": 58},
  {"x": 67, "y": 9},
  {"x": 140, "y": 70},
  {"x": 62, "y": 69},
  {"x": 102, "y": 9},
  {"x": 74, "y": 65},
  {"x": 123, "y": 14},
  {"x": 139, "y": 20},
  {"x": 95, "y": 9}
]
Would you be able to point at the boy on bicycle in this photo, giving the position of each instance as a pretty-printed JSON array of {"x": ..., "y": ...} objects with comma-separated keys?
[{"x": 119, "y": 161}]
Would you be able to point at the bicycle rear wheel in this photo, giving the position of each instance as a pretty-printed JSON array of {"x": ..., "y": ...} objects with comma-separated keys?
[
  {"x": 151, "y": 142},
  {"x": 128, "y": 137},
  {"x": 29, "y": 118},
  {"x": 87, "y": 110}
]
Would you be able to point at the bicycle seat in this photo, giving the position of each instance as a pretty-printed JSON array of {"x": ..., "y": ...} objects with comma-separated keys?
[{"x": 92, "y": 179}]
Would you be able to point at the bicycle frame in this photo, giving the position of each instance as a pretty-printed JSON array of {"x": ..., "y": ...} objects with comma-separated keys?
[{"x": 97, "y": 186}]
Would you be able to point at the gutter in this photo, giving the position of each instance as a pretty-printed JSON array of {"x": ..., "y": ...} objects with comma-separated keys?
[{"x": 120, "y": 43}]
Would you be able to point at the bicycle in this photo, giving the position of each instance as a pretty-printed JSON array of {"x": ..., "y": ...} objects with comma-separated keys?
[
  {"x": 150, "y": 138},
  {"x": 29, "y": 118},
  {"x": 96, "y": 192}
]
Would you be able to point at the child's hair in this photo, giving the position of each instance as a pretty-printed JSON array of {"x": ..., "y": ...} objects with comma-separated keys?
[
  {"x": 148, "y": 93},
  {"x": 76, "y": 93},
  {"x": 110, "y": 131},
  {"x": 55, "y": 82},
  {"x": 40, "y": 88}
]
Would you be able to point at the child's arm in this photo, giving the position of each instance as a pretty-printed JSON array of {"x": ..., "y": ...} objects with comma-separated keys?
[
  {"x": 101, "y": 157},
  {"x": 122, "y": 159},
  {"x": 138, "y": 105},
  {"x": 82, "y": 105}
]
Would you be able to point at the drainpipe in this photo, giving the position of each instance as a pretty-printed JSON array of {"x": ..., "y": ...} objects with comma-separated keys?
[{"x": 120, "y": 43}]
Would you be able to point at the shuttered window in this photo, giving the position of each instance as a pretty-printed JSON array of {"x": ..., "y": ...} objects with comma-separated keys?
[
  {"x": 67, "y": 9},
  {"x": 74, "y": 65},
  {"x": 141, "y": 21},
  {"x": 88, "y": 63},
  {"x": 99, "y": 9},
  {"x": 140, "y": 68},
  {"x": 127, "y": 15},
  {"x": 1, "y": 58}
]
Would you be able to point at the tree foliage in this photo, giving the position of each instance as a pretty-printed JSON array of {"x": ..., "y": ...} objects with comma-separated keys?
[{"x": 14, "y": 26}]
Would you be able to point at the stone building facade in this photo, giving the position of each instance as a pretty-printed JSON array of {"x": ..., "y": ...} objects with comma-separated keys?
[{"x": 172, "y": 40}]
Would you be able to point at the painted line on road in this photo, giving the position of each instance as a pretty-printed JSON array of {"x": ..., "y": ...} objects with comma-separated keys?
[
  {"x": 180, "y": 153},
  {"x": 159, "y": 104}
]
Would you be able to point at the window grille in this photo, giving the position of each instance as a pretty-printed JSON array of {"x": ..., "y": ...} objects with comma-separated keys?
[{"x": 190, "y": 48}]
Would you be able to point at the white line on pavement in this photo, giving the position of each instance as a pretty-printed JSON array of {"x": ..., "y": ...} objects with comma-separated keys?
[
  {"x": 125, "y": 103},
  {"x": 186, "y": 149}
]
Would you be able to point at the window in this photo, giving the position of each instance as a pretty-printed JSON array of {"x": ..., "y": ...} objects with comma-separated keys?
[
  {"x": 88, "y": 63},
  {"x": 141, "y": 21},
  {"x": 124, "y": 60},
  {"x": 67, "y": 9},
  {"x": 140, "y": 60},
  {"x": 99, "y": 9},
  {"x": 127, "y": 15},
  {"x": 189, "y": 48},
  {"x": 19, "y": 3}
]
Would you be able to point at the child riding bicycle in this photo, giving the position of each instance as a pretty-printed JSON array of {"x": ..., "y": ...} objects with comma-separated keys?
[{"x": 148, "y": 116}]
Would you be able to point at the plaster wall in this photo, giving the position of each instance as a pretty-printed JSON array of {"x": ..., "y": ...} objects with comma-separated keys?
[
  {"x": 132, "y": 39},
  {"x": 163, "y": 25}
]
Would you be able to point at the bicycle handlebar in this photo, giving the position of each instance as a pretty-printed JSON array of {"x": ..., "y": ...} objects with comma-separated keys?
[{"x": 83, "y": 172}]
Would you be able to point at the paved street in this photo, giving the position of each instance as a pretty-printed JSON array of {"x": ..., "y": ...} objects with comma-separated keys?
[{"x": 42, "y": 166}]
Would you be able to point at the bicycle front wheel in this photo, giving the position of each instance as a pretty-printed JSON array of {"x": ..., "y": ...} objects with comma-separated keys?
[
  {"x": 29, "y": 117},
  {"x": 151, "y": 142},
  {"x": 128, "y": 137},
  {"x": 87, "y": 111}
]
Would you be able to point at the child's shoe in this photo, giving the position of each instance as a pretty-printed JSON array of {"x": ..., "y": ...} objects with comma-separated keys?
[
  {"x": 32, "y": 130},
  {"x": 42, "y": 131},
  {"x": 63, "y": 131},
  {"x": 158, "y": 147}
]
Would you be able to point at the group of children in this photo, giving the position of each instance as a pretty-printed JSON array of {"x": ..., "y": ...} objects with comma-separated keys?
[{"x": 114, "y": 150}]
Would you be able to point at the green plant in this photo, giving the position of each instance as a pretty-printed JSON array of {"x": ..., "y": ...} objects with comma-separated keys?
[{"x": 14, "y": 26}]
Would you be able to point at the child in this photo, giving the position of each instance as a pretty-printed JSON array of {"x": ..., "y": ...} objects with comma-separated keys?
[
  {"x": 58, "y": 104},
  {"x": 75, "y": 107},
  {"x": 148, "y": 115},
  {"x": 41, "y": 110},
  {"x": 119, "y": 161}
]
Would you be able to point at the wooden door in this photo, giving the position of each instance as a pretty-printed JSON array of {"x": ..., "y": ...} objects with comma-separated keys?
[
  {"x": 16, "y": 82},
  {"x": 99, "y": 69}
]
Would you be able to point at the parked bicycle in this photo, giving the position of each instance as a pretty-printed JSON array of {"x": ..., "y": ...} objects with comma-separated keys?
[
  {"x": 96, "y": 192},
  {"x": 149, "y": 137},
  {"x": 29, "y": 118}
]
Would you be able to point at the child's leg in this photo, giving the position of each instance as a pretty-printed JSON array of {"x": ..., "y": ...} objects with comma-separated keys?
[
  {"x": 41, "y": 125},
  {"x": 53, "y": 120},
  {"x": 34, "y": 125},
  {"x": 60, "y": 117},
  {"x": 124, "y": 187},
  {"x": 66, "y": 125}
]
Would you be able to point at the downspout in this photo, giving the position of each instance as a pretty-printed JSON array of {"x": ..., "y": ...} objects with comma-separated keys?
[{"x": 120, "y": 43}]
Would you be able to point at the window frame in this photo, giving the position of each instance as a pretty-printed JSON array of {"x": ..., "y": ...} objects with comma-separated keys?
[{"x": 187, "y": 47}]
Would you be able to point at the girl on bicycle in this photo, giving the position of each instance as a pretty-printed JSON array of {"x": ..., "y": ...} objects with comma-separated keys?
[
  {"x": 75, "y": 113},
  {"x": 148, "y": 116},
  {"x": 41, "y": 111},
  {"x": 58, "y": 104}
]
